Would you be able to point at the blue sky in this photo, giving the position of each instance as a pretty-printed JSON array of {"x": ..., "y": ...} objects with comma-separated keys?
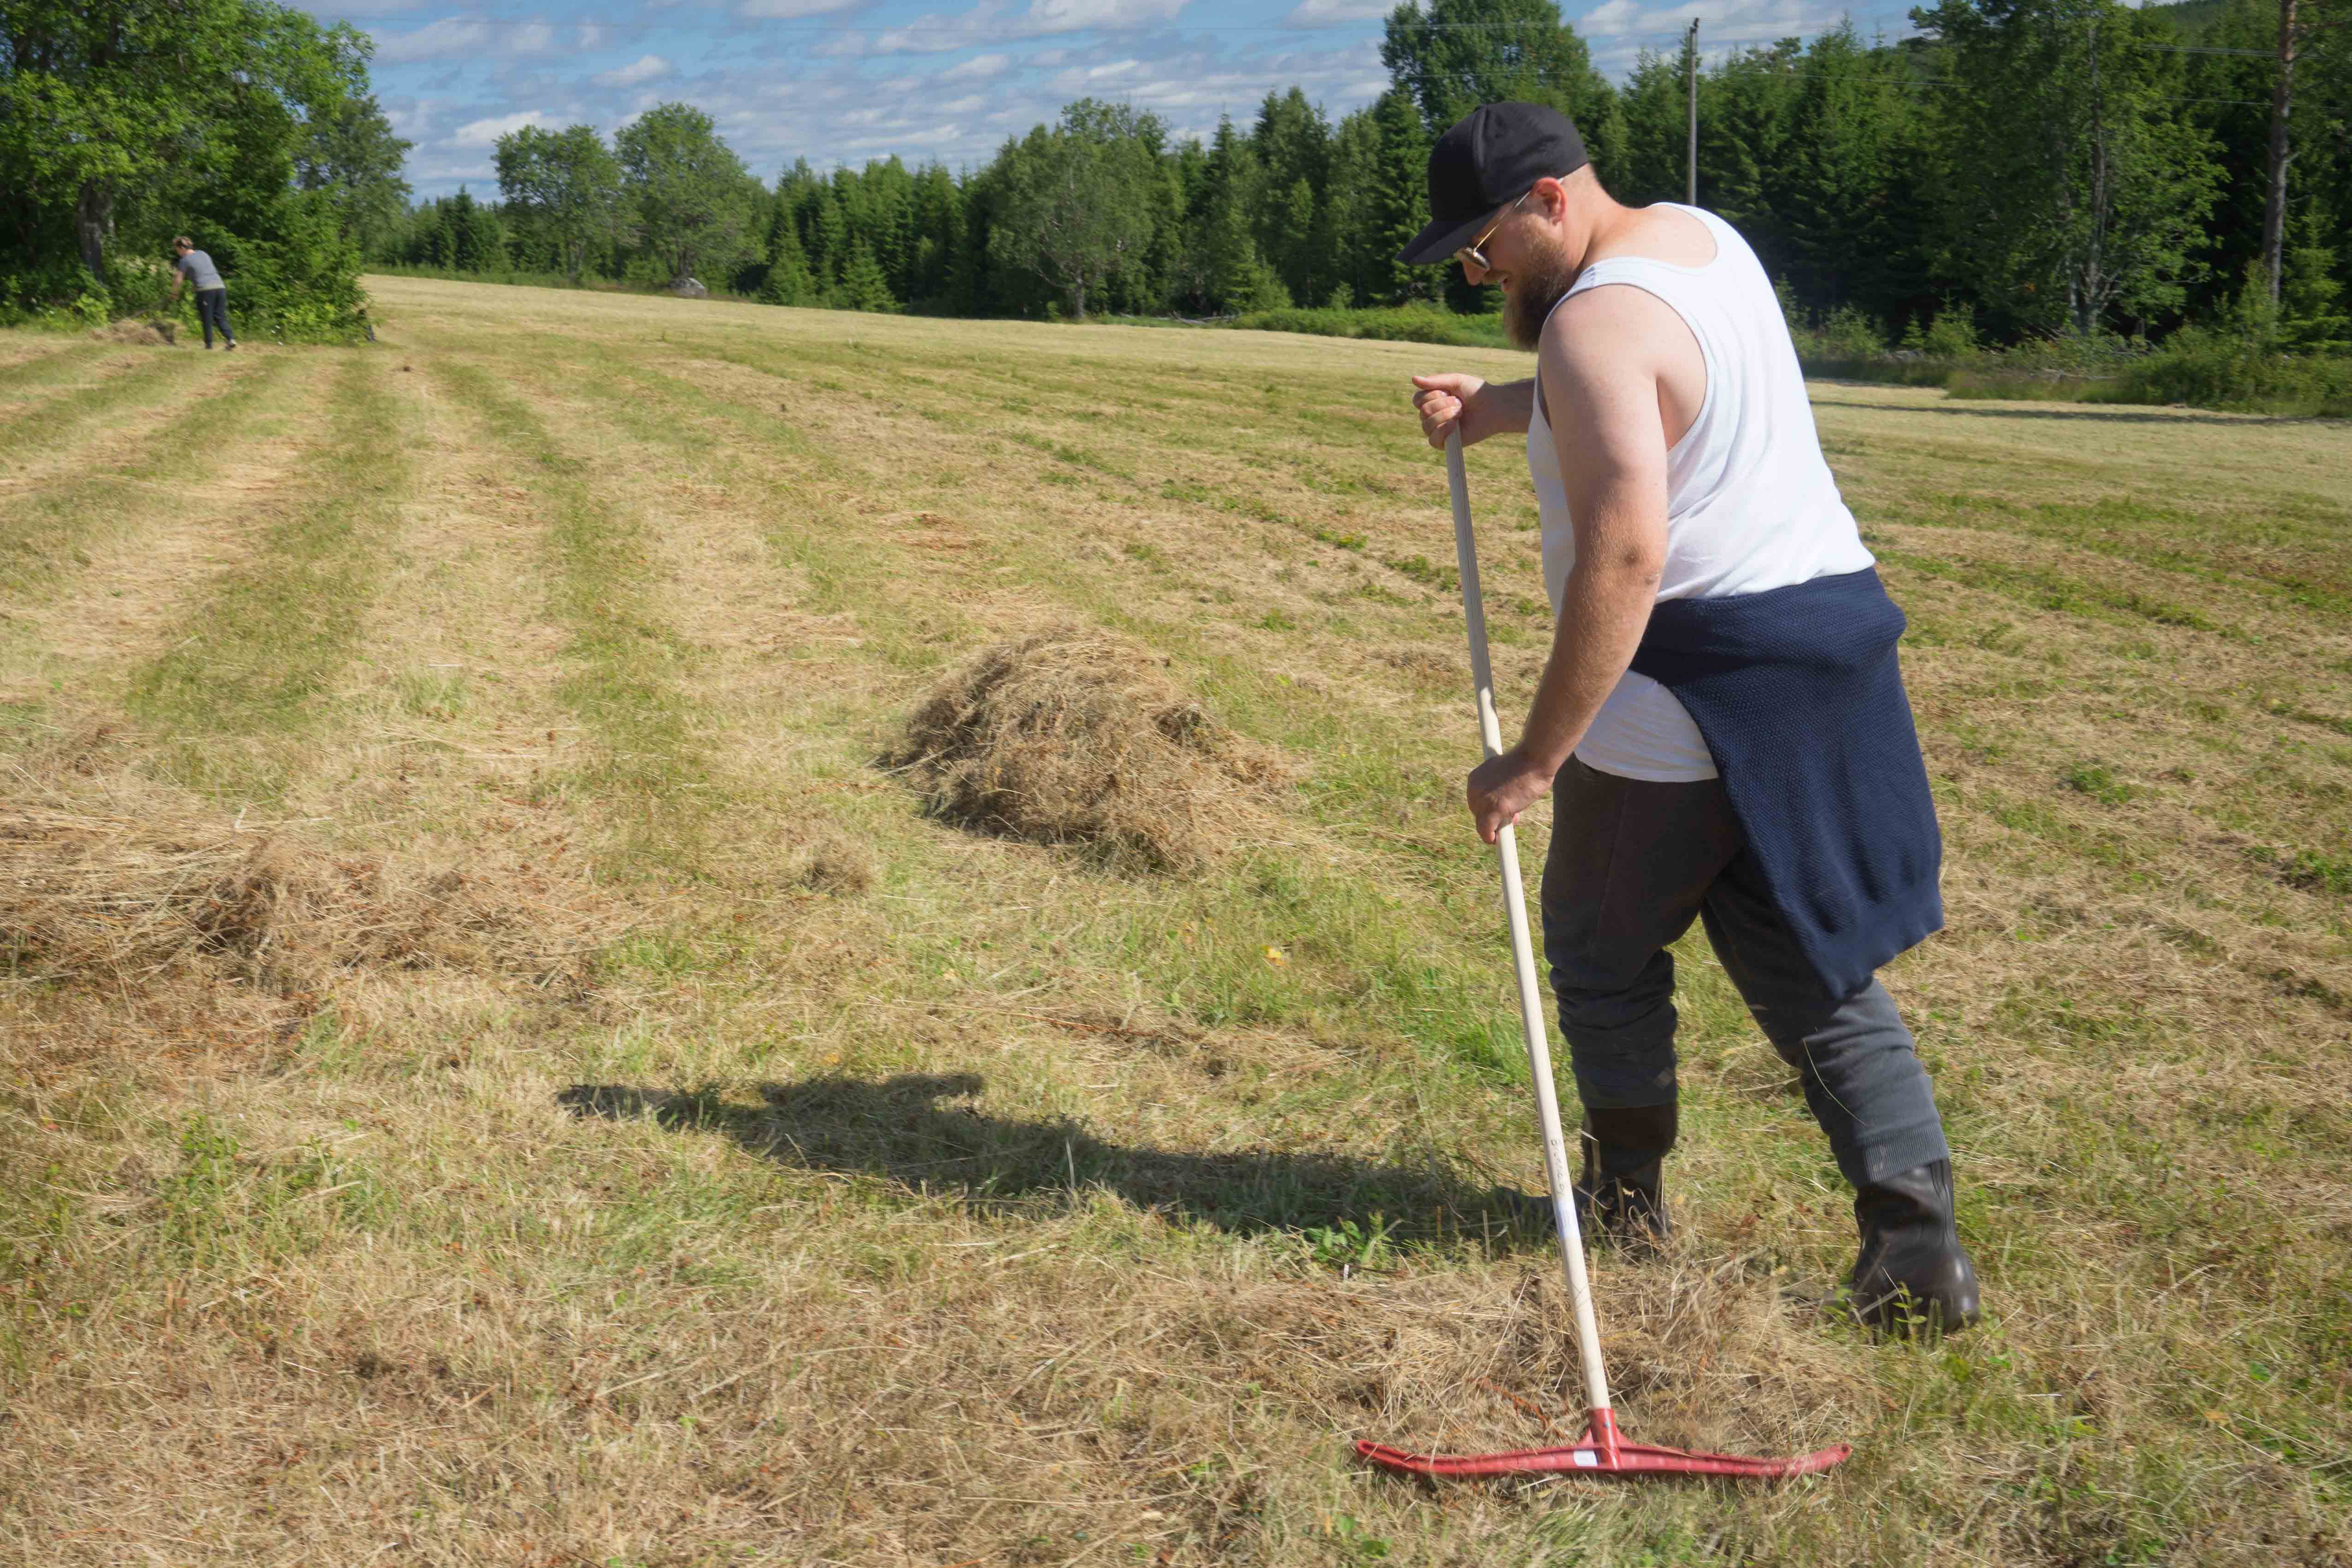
[{"x": 845, "y": 80}]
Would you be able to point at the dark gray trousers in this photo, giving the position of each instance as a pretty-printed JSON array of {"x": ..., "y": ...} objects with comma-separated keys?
[
  {"x": 1631, "y": 865},
  {"x": 211, "y": 310}
]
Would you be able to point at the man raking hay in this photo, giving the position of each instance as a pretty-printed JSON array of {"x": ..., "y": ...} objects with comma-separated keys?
[{"x": 1722, "y": 714}]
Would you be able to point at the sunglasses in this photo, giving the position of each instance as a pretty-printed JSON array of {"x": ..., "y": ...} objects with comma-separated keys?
[{"x": 1474, "y": 254}]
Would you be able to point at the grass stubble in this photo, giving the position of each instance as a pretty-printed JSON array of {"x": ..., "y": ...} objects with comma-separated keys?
[{"x": 736, "y": 1162}]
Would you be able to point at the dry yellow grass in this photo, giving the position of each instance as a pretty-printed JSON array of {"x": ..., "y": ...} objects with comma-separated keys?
[
  {"x": 146, "y": 334},
  {"x": 1072, "y": 738},
  {"x": 741, "y": 1165}
]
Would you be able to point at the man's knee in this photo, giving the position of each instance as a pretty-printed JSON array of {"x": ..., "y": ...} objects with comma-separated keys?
[
  {"x": 1810, "y": 1029},
  {"x": 1620, "y": 1029},
  {"x": 1599, "y": 989}
]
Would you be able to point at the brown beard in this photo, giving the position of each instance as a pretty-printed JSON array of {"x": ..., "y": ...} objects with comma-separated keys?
[{"x": 1543, "y": 281}]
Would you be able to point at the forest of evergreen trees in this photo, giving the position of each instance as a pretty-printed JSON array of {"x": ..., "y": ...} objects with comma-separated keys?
[{"x": 2019, "y": 169}]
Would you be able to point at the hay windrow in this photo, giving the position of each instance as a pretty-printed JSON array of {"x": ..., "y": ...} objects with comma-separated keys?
[
  {"x": 153, "y": 334},
  {"x": 87, "y": 895},
  {"x": 1072, "y": 737}
]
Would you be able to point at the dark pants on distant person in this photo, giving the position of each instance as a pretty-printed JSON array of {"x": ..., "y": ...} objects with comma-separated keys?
[
  {"x": 1633, "y": 863},
  {"x": 211, "y": 310}
]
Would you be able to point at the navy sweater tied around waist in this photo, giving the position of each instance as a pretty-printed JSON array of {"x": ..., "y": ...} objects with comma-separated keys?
[{"x": 1798, "y": 694}]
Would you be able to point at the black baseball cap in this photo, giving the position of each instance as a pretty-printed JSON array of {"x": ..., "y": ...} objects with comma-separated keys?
[{"x": 1494, "y": 155}]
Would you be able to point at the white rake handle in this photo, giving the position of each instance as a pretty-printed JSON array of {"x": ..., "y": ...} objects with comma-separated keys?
[{"x": 1531, "y": 1013}]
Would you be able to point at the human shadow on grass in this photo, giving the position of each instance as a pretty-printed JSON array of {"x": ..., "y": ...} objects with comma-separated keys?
[{"x": 898, "y": 1129}]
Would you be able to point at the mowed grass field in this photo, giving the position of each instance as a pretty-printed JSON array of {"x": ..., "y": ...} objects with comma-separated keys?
[{"x": 497, "y": 1073}]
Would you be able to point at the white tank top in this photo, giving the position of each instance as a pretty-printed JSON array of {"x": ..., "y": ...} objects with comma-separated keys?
[{"x": 1751, "y": 503}]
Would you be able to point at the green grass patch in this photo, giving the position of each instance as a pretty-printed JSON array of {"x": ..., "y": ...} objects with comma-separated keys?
[
  {"x": 43, "y": 530},
  {"x": 2099, "y": 783},
  {"x": 1404, "y": 324},
  {"x": 652, "y": 774},
  {"x": 2047, "y": 590},
  {"x": 271, "y": 636}
]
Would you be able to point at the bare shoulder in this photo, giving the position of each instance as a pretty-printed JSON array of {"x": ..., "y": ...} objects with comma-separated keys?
[
  {"x": 1613, "y": 330},
  {"x": 1662, "y": 233}
]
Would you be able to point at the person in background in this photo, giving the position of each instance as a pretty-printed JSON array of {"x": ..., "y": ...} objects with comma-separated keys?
[
  {"x": 193, "y": 267},
  {"x": 1723, "y": 715}
]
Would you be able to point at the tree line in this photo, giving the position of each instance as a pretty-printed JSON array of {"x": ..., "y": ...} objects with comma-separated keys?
[{"x": 2018, "y": 168}]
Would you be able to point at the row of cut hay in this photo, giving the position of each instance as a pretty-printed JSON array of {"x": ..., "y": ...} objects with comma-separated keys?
[
  {"x": 1068, "y": 737},
  {"x": 1074, "y": 737},
  {"x": 152, "y": 334},
  {"x": 122, "y": 899}
]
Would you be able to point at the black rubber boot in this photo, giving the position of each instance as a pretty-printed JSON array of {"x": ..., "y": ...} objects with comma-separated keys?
[
  {"x": 1913, "y": 1275},
  {"x": 1620, "y": 1196}
]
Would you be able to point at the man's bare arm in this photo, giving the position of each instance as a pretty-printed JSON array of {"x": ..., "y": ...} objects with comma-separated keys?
[
  {"x": 1481, "y": 408},
  {"x": 1599, "y": 367}
]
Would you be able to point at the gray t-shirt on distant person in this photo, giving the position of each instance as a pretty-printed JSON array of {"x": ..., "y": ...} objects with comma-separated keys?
[{"x": 198, "y": 268}]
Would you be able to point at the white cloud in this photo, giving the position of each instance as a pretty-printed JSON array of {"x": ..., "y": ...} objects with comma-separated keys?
[
  {"x": 1331, "y": 13},
  {"x": 1610, "y": 19},
  {"x": 486, "y": 132},
  {"x": 465, "y": 38},
  {"x": 953, "y": 87},
  {"x": 1724, "y": 22},
  {"x": 784, "y": 10},
  {"x": 990, "y": 23},
  {"x": 979, "y": 68},
  {"x": 408, "y": 117},
  {"x": 435, "y": 40},
  {"x": 647, "y": 69},
  {"x": 1083, "y": 15},
  {"x": 938, "y": 35}
]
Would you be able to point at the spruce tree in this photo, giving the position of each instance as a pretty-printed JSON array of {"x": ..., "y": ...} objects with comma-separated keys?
[
  {"x": 2311, "y": 315},
  {"x": 789, "y": 280},
  {"x": 1292, "y": 143},
  {"x": 863, "y": 285},
  {"x": 1655, "y": 103},
  {"x": 1345, "y": 226},
  {"x": 465, "y": 235},
  {"x": 1843, "y": 133},
  {"x": 1397, "y": 202},
  {"x": 827, "y": 234},
  {"x": 441, "y": 239},
  {"x": 939, "y": 225}
]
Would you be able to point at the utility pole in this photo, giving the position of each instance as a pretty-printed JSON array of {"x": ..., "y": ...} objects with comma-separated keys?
[
  {"x": 1690, "y": 77},
  {"x": 2282, "y": 106}
]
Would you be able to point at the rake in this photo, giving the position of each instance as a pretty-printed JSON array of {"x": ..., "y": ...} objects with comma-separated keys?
[{"x": 1600, "y": 1451}]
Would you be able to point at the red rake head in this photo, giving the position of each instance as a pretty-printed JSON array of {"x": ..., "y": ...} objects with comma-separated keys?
[{"x": 1600, "y": 1452}]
